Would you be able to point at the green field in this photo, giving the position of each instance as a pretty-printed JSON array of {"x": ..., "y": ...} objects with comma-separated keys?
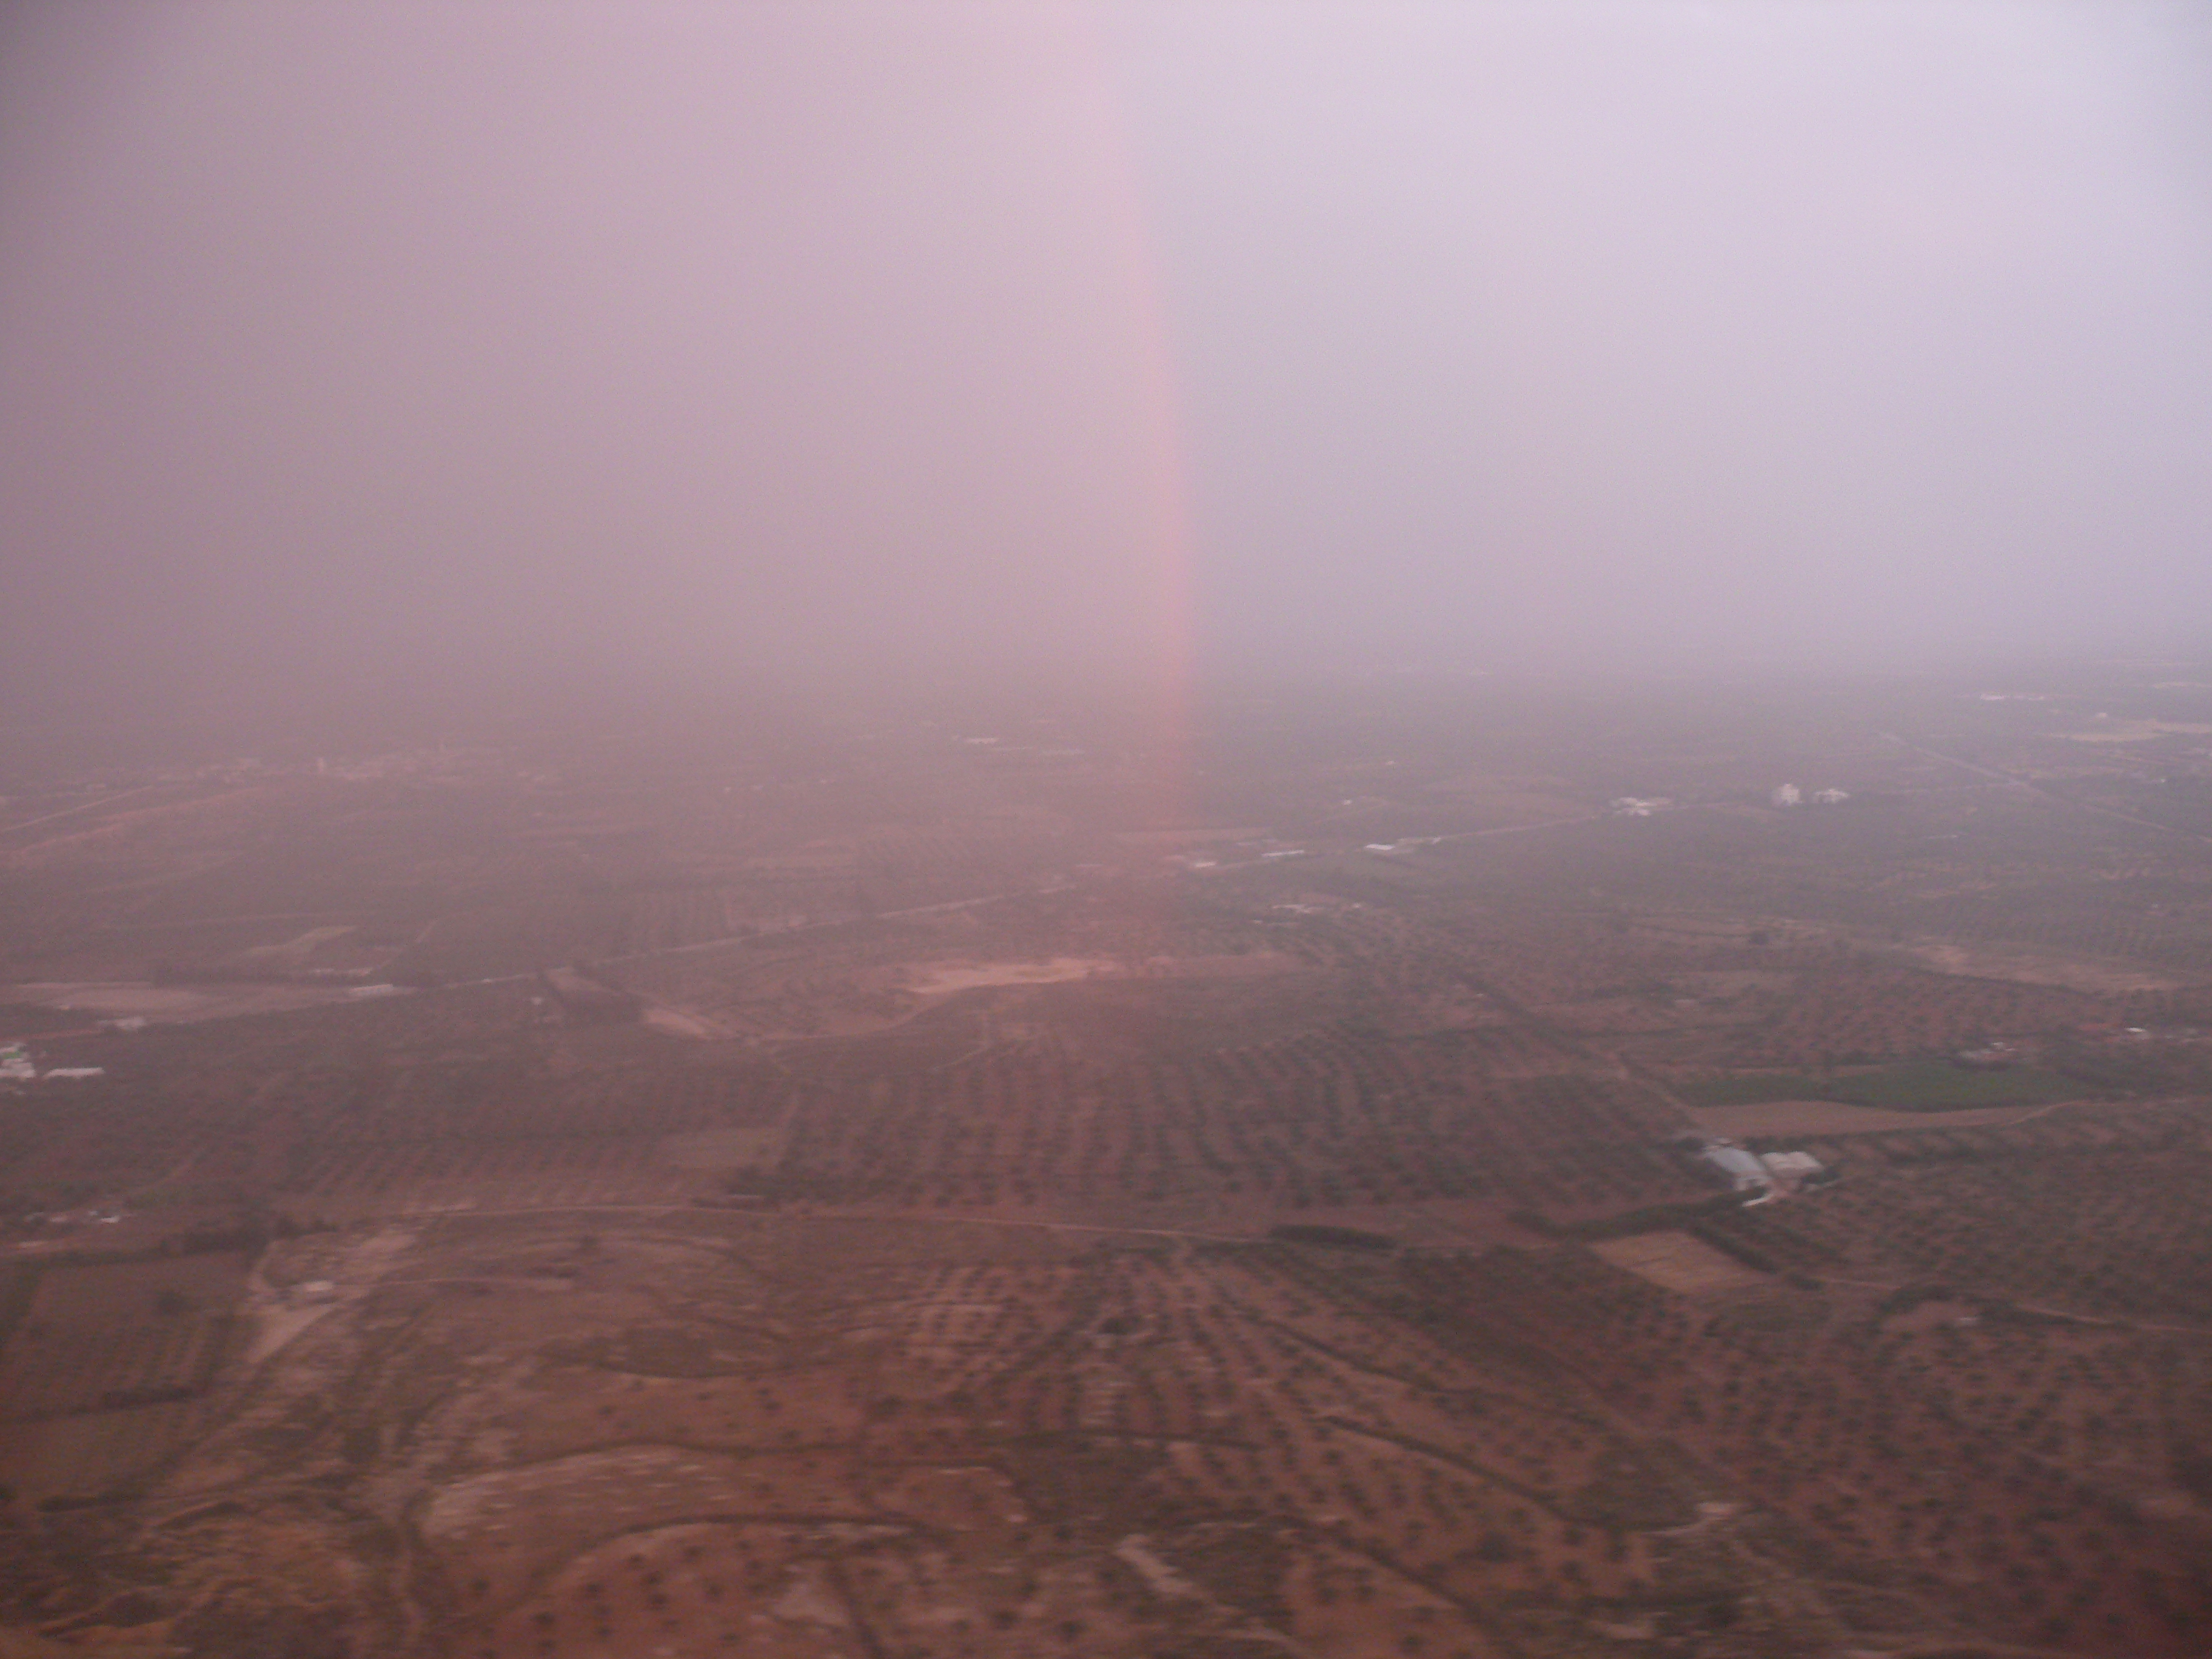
[{"x": 1929, "y": 1085}]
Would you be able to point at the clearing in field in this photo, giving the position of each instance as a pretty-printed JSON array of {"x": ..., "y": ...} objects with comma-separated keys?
[
  {"x": 681, "y": 1022},
  {"x": 299, "y": 948},
  {"x": 1676, "y": 1262},
  {"x": 2098, "y": 975},
  {"x": 174, "y": 1003},
  {"x": 945, "y": 978}
]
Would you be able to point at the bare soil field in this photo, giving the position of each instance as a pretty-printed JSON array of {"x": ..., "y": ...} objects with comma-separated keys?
[
  {"x": 2031, "y": 967},
  {"x": 1676, "y": 1262},
  {"x": 683, "y": 1023},
  {"x": 941, "y": 979},
  {"x": 174, "y": 1003}
]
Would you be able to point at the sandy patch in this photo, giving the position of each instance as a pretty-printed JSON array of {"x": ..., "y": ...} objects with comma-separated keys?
[
  {"x": 681, "y": 1022},
  {"x": 938, "y": 979},
  {"x": 625, "y": 1488},
  {"x": 283, "y": 1313},
  {"x": 810, "y": 1599},
  {"x": 1163, "y": 1580},
  {"x": 2100, "y": 976},
  {"x": 174, "y": 1003},
  {"x": 302, "y": 946}
]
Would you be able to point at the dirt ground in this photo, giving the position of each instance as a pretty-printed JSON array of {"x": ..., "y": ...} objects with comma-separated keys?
[
  {"x": 166, "y": 1003},
  {"x": 1676, "y": 1262},
  {"x": 936, "y": 979},
  {"x": 2030, "y": 966}
]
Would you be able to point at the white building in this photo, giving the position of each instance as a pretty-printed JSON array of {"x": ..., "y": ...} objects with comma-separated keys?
[
  {"x": 1788, "y": 795},
  {"x": 1744, "y": 1168}
]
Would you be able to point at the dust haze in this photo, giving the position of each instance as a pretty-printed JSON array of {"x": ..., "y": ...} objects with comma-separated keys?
[
  {"x": 395, "y": 345},
  {"x": 1169, "y": 831}
]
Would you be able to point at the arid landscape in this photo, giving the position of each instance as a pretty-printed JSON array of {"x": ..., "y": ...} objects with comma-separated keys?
[
  {"x": 945, "y": 1189},
  {"x": 1109, "y": 830}
]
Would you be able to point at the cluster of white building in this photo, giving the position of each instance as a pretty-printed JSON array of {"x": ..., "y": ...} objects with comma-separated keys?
[
  {"x": 1789, "y": 794},
  {"x": 1768, "y": 1173}
]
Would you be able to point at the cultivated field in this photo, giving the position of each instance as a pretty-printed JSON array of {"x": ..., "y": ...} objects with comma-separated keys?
[{"x": 846, "y": 1190}]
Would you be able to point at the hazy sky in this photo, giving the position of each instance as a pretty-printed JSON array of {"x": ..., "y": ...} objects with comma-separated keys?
[{"x": 411, "y": 339}]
